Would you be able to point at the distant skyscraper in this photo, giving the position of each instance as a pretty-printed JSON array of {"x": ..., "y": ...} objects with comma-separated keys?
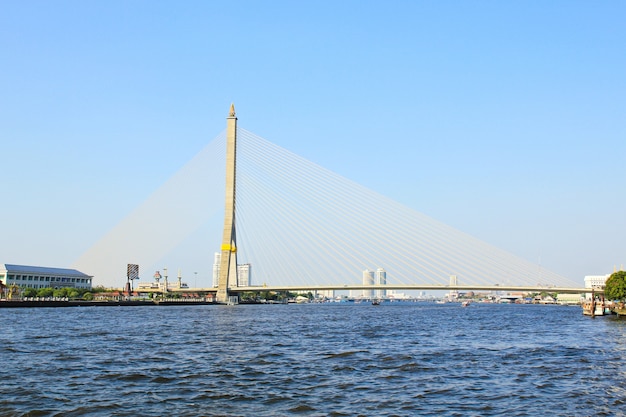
[
  {"x": 243, "y": 272},
  {"x": 381, "y": 279},
  {"x": 216, "y": 268},
  {"x": 368, "y": 279},
  {"x": 454, "y": 294},
  {"x": 243, "y": 275}
]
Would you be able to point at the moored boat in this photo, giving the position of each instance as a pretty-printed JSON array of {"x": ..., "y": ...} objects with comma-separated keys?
[
  {"x": 619, "y": 309},
  {"x": 593, "y": 308}
]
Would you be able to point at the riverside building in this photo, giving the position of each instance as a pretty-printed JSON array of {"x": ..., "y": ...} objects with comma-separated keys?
[
  {"x": 43, "y": 277},
  {"x": 595, "y": 282}
]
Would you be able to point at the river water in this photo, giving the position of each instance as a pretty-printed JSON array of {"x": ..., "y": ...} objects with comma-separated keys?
[{"x": 338, "y": 359}]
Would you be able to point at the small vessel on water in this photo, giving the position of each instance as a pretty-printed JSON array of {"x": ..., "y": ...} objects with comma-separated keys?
[
  {"x": 375, "y": 302},
  {"x": 596, "y": 308},
  {"x": 619, "y": 309},
  {"x": 465, "y": 303}
]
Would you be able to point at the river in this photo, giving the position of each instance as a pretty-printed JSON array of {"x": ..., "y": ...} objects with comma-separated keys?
[{"x": 337, "y": 359}]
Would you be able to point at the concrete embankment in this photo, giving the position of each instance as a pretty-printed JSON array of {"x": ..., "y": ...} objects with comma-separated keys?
[{"x": 108, "y": 303}]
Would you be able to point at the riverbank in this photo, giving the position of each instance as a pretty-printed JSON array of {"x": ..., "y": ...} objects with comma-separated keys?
[{"x": 105, "y": 303}]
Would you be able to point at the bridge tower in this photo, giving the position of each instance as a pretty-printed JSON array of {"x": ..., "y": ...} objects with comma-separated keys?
[{"x": 228, "y": 262}]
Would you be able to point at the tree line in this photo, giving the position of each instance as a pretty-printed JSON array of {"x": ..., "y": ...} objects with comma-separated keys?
[{"x": 65, "y": 292}]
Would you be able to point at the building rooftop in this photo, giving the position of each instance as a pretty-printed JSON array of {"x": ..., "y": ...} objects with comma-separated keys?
[{"x": 43, "y": 270}]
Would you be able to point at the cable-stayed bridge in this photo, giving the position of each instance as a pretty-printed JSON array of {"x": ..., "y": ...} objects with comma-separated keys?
[
  {"x": 310, "y": 225},
  {"x": 302, "y": 227}
]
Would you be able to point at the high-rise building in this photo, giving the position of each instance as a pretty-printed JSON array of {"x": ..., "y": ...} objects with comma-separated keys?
[
  {"x": 243, "y": 275},
  {"x": 453, "y": 294},
  {"x": 368, "y": 279},
  {"x": 243, "y": 272},
  {"x": 216, "y": 268},
  {"x": 381, "y": 279}
]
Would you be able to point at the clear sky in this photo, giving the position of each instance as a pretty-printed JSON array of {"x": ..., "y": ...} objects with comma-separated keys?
[{"x": 506, "y": 120}]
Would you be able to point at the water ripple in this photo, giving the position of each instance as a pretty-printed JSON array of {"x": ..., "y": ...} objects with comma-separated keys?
[{"x": 313, "y": 360}]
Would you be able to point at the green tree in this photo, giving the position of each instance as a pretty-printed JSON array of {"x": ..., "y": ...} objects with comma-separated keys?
[
  {"x": 615, "y": 288},
  {"x": 45, "y": 292},
  {"x": 248, "y": 296},
  {"x": 29, "y": 292},
  {"x": 88, "y": 296},
  {"x": 61, "y": 292}
]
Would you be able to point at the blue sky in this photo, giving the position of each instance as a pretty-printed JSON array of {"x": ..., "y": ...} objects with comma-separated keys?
[{"x": 502, "y": 119}]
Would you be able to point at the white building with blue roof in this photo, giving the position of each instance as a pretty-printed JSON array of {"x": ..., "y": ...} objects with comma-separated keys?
[{"x": 43, "y": 277}]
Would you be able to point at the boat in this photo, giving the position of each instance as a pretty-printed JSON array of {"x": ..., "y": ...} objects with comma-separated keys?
[
  {"x": 302, "y": 299},
  {"x": 594, "y": 308},
  {"x": 375, "y": 302},
  {"x": 465, "y": 303},
  {"x": 619, "y": 309}
]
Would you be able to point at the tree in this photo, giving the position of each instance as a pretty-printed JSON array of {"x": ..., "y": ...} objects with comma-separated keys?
[
  {"x": 60, "y": 293},
  {"x": 29, "y": 292},
  {"x": 248, "y": 296},
  {"x": 615, "y": 287},
  {"x": 45, "y": 292}
]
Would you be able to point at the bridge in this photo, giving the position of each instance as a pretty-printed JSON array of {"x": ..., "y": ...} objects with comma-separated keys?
[
  {"x": 386, "y": 287},
  {"x": 296, "y": 226}
]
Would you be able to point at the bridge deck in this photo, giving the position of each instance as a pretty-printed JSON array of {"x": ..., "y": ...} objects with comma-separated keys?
[{"x": 562, "y": 290}]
